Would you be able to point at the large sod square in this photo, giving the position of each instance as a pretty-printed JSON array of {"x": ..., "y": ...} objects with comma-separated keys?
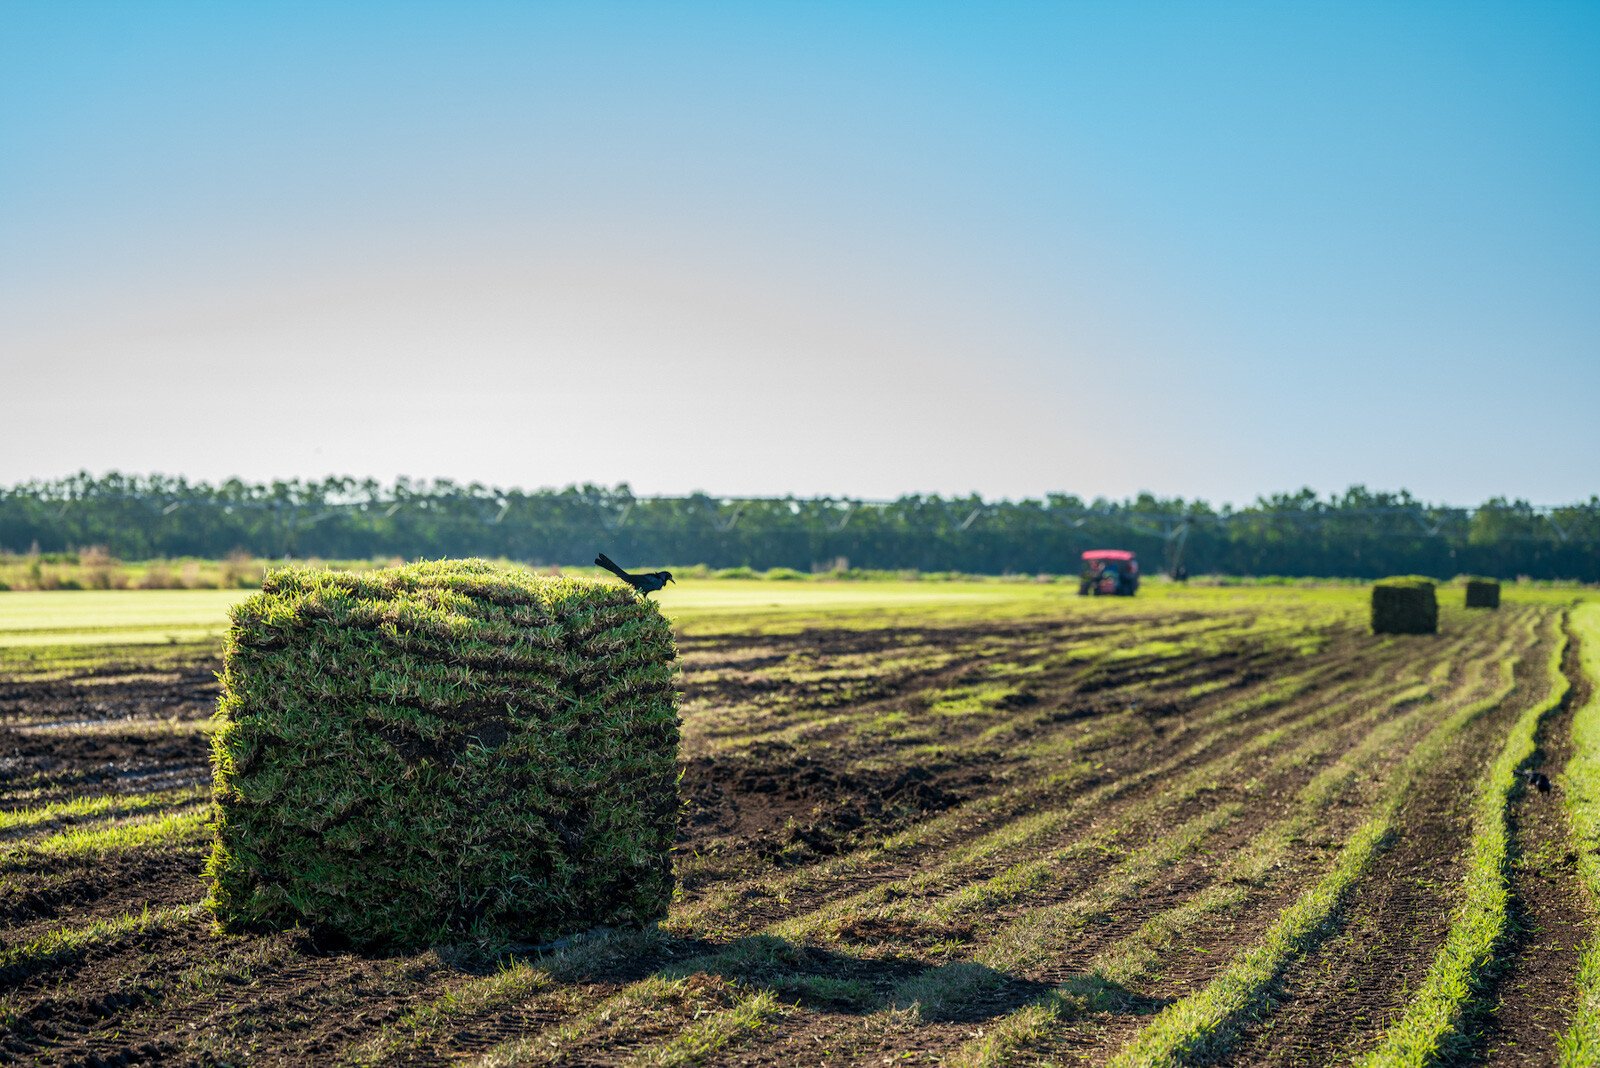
[{"x": 447, "y": 750}]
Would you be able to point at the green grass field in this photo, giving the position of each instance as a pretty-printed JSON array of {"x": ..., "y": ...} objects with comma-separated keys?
[{"x": 93, "y": 618}]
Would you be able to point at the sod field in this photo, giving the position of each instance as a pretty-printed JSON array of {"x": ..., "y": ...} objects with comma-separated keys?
[{"x": 963, "y": 822}]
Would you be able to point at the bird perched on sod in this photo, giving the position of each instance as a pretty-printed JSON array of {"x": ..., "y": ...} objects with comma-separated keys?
[{"x": 645, "y": 584}]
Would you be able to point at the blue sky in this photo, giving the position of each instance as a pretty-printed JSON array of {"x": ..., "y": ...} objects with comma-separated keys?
[{"x": 1204, "y": 249}]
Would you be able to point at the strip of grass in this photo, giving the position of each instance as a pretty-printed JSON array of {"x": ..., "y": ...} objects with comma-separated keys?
[
  {"x": 1109, "y": 979},
  {"x": 82, "y": 843},
  {"x": 1580, "y": 1046},
  {"x": 84, "y": 809},
  {"x": 69, "y": 943},
  {"x": 1022, "y": 824},
  {"x": 1432, "y": 1025},
  {"x": 715, "y": 1031}
]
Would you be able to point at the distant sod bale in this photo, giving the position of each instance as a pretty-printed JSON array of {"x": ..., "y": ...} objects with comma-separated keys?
[
  {"x": 1404, "y": 604},
  {"x": 1483, "y": 593},
  {"x": 443, "y": 751}
]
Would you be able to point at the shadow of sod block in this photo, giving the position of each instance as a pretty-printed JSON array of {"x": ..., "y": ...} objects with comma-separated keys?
[
  {"x": 1405, "y": 604},
  {"x": 445, "y": 751}
]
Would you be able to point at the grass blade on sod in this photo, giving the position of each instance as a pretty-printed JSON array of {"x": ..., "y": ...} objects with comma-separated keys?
[{"x": 1581, "y": 1044}]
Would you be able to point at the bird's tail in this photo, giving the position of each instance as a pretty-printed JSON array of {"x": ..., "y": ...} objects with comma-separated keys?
[{"x": 602, "y": 560}]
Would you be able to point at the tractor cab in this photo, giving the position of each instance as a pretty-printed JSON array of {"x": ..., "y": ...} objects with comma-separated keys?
[{"x": 1108, "y": 573}]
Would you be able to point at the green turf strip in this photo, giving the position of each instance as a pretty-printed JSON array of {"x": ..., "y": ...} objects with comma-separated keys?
[
  {"x": 83, "y": 843},
  {"x": 1580, "y": 1046},
  {"x": 84, "y": 809},
  {"x": 71, "y": 943}
]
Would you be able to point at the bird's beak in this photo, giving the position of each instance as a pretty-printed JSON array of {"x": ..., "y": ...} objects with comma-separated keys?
[{"x": 672, "y": 580}]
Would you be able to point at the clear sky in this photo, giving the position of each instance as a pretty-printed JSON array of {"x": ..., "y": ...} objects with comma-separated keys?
[{"x": 1204, "y": 249}]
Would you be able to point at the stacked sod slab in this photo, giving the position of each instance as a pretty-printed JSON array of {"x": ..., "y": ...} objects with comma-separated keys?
[
  {"x": 1483, "y": 593},
  {"x": 1404, "y": 605},
  {"x": 444, "y": 750}
]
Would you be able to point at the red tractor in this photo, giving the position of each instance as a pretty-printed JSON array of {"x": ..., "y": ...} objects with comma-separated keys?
[{"x": 1108, "y": 573}]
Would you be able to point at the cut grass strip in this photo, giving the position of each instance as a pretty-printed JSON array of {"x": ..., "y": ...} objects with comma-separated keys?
[
  {"x": 1202, "y": 1024},
  {"x": 1030, "y": 829},
  {"x": 515, "y": 981},
  {"x": 83, "y": 809},
  {"x": 1032, "y": 936},
  {"x": 715, "y": 1032},
  {"x": 84, "y": 843},
  {"x": 1432, "y": 1025},
  {"x": 70, "y": 943},
  {"x": 1218, "y": 725},
  {"x": 1580, "y": 1046}
]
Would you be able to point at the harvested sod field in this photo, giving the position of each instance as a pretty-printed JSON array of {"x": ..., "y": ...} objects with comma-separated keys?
[{"x": 1196, "y": 826}]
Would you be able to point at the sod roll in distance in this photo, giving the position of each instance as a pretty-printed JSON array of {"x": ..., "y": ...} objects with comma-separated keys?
[
  {"x": 1483, "y": 593},
  {"x": 1404, "y": 605},
  {"x": 447, "y": 750}
]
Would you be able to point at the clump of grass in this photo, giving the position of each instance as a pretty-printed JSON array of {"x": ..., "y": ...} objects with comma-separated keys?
[
  {"x": 444, "y": 750},
  {"x": 1404, "y": 605}
]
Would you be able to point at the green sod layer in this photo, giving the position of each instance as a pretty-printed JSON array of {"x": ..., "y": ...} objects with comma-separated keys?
[
  {"x": 1483, "y": 593},
  {"x": 1404, "y": 605},
  {"x": 445, "y": 750}
]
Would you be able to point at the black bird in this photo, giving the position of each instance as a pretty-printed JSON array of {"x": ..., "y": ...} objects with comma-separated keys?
[
  {"x": 1537, "y": 779},
  {"x": 645, "y": 584}
]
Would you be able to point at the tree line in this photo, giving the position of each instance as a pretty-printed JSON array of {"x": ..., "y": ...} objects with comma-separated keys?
[{"x": 1356, "y": 534}]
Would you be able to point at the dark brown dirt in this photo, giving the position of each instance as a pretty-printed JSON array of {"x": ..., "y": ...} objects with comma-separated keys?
[
  {"x": 42, "y": 765},
  {"x": 791, "y": 808},
  {"x": 54, "y": 893}
]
